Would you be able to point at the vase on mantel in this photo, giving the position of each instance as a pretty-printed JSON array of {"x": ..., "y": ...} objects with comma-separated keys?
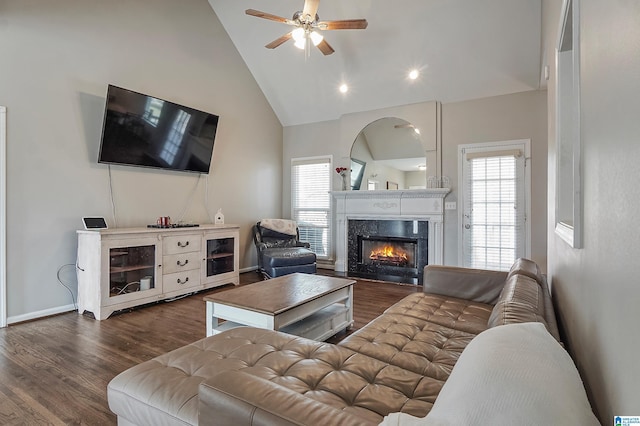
[{"x": 344, "y": 174}]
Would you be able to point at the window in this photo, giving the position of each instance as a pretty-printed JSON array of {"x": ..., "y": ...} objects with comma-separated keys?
[
  {"x": 311, "y": 201},
  {"x": 176, "y": 135},
  {"x": 494, "y": 204},
  {"x": 152, "y": 111}
]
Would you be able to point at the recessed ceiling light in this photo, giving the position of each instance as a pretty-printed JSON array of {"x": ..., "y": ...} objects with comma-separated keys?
[
  {"x": 343, "y": 88},
  {"x": 413, "y": 74}
]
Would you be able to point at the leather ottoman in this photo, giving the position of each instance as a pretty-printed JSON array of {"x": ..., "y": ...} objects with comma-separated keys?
[{"x": 283, "y": 261}]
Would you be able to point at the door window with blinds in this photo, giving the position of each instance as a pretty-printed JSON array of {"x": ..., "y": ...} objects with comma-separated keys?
[
  {"x": 311, "y": 201},
  {"x": 494, "y": 208}
]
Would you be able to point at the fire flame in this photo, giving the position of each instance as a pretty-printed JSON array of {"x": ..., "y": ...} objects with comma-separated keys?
[{"x": 387, "y": 252}]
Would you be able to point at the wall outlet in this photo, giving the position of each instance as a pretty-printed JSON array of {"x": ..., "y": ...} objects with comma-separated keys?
[{"x": 450, "y": 205}]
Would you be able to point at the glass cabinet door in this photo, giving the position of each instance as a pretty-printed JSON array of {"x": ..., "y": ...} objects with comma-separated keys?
[
  {"x": 131, "y": 269},
  {"x": 220, "y": 255}
]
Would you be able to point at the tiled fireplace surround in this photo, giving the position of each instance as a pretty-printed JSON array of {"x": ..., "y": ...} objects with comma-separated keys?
[{"x": 418, "y": 205}]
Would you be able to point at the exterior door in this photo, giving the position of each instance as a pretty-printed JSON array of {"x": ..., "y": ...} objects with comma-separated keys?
[{"x": 494, "y": 209}]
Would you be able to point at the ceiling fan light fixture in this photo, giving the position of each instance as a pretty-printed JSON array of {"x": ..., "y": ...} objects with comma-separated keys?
[
  {"x": 316, "y": 37},
  {"x": 298, "y": 34},
  {"x": 300, "y": 44}
]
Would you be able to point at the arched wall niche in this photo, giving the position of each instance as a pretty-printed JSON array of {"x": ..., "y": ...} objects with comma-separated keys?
[{"x": 424, "y": 116}]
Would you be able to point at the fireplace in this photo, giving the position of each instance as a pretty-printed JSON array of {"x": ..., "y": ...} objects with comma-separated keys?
[
  {"x": 389, "y": 250},
  {"x": 418, "y": 207}
]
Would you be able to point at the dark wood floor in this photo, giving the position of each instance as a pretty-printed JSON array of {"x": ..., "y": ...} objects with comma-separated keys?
[{"x": 55, "y": 370}]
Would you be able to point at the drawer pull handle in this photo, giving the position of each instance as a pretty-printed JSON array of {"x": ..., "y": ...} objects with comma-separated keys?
[
  {"x": 179, "y": 281},
  {"x": 182, "y": 264},
  {"x": 181, "y": 244}
]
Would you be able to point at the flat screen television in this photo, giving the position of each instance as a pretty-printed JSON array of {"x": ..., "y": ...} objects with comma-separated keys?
[{"x": 145, "y": 131}]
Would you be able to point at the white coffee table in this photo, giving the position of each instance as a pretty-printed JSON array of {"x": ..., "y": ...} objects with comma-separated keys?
[{"x": 311, "y": 306}]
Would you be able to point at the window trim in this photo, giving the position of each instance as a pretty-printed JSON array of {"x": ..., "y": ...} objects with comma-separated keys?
[
  {"x": 331, "y": 236},
  {"x": 524, "y": 145}
]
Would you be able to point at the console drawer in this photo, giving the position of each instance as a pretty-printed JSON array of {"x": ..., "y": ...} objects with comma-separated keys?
[
  {"x": 180, "y": 280},
  {"x": 175, "y": 244},
  {"x": 181, "y": 262}
]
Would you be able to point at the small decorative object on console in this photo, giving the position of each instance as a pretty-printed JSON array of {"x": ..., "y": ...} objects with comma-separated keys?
[
  {"x": 164, "y": 221},
  {"x": 219, "y": 219}
]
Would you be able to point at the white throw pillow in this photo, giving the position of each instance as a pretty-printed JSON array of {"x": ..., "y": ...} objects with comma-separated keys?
[{"x": 514, "y": 374}]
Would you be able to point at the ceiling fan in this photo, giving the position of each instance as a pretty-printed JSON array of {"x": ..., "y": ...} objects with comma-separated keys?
[{"x": 308, "y": 27}]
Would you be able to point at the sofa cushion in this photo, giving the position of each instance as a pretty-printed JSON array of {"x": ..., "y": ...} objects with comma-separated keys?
[
  {"x": 521, "y": 300},
  {"x": 411, "y": 343},
  {"x": 329, "y": 374},
  {"x": 528, "y": 268},
  {"x": 459, "y": 314},
  {"x": 478, "y": 285},
  {"x": 511, "y": 375},
  {"x": 164, "y": 390}
]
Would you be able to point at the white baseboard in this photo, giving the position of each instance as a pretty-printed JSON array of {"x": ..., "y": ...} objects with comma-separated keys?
[
  {"x": 326, "y": 264},
  {"x": 40, "y": 314},
  {"x": 249, "y": 269}
]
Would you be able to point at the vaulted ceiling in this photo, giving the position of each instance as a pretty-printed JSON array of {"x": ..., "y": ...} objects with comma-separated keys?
[{"x": 464, "y": 49}]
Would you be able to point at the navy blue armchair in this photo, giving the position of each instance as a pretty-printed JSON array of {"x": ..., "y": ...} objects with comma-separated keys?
[{"x": 280, "y": 251}]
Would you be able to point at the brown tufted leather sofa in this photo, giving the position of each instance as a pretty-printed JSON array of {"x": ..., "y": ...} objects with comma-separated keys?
[{"x": 398, "y": 363}]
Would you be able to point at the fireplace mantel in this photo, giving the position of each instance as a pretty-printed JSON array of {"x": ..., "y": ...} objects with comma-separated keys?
[{"x": 409, "y": 204}]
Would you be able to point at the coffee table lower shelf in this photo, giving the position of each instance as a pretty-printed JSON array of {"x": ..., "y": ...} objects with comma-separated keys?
[
  {"x": 306, "y": 305},
  {"x": 318, "y": 326}
]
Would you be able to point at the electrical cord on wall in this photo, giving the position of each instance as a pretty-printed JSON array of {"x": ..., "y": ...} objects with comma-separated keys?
[
  {"x": 113, "y": 204},
  {"x": 206, "y": 199},
  {"x": 189, "y": 200},
  {"x": 75, "y": 306},
  {"x": 184, "y": 210}
]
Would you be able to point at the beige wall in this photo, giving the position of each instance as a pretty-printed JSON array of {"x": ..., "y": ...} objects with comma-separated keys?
[
  {"x": 596, "y": 287},
  {"x": 336, "y": 137},
  {"x": 56, "y": 60},
  {"x": 508, "y": 117}
]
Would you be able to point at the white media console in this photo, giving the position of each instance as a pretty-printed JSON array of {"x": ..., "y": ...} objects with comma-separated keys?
[{"x": 127, "y": 267}]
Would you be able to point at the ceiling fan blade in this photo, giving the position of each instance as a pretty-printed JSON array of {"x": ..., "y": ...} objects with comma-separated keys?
[
  {"x": 325, "y": 48},
  {"x": 268, "y": 16},
  {"x": 310, "y": 8},
  {"x": 347, "y": 24},
  {"x": 277, "y": 42}
]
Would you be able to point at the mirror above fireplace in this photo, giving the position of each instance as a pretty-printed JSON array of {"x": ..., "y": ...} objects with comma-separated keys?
[{"x": 388, "y": 154}]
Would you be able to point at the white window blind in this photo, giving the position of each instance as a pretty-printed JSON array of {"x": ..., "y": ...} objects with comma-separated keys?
[
  {"x": 494, "y": 213},
  {"x": 311, "y": 202}
]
